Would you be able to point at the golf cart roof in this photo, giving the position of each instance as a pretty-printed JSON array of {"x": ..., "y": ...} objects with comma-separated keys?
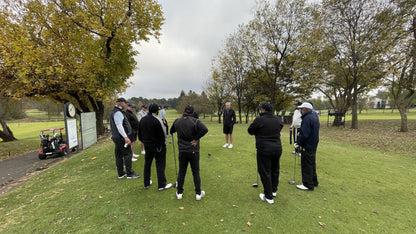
[{"x": 52, "y": 129}]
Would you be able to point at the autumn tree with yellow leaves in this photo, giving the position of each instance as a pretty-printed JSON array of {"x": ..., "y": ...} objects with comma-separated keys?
[{"x": 73, "y": 50}]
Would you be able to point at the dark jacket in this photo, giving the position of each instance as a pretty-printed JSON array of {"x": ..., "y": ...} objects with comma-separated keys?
[
  {"x": 267, "y": 129},
  {"x": 309, "y": 131},
  {"x": 228, "y": 117},
  {"x": 134, "y": 123},
  {"x": 188, "y": 129},
  {"x": 126, "y": 125},
  {"x": 151, "y": 132}
]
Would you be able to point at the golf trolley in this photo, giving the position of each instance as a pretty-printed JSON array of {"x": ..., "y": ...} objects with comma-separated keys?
[{"x": 52, "y": 144}]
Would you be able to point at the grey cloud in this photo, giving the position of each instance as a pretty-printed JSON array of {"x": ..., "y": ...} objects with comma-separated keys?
[{"x": 193, "y": 33}]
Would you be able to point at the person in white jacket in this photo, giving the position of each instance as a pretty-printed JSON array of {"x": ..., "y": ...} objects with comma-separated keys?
[{"x": 296, "y": 122}]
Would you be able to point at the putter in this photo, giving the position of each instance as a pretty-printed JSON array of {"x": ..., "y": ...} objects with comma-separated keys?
[
  {"x": 255, "y": 185},
  {"x": 174, "y": 157},
  {"x": 295, "y": 155},
  {"x": 294, "y": 172}
]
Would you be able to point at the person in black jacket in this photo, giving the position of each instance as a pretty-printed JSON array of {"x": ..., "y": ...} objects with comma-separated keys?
[
  {"x": 120, "y": 129},
  {"x": 228, "y": 120},
  {"x": 153, "y": 135},
  {"x": 190, "y": 130},
  {"x": 134, "y": 122},
  {"x": 308, "y": 139},
  {"x": 267, "y": 129}
]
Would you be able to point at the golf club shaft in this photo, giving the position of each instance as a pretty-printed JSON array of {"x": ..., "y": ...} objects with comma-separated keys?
[{"x": 174, "y": 157}]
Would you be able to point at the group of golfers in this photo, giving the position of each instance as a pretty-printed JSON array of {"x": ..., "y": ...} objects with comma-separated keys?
[{"x": 152, "y": 131}]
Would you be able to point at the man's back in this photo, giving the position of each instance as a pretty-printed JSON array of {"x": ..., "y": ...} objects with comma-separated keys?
[
  {"x": 188, "y": 129},
  {"x": 151, "y": 131},
  {"x": 267, "y": 129}
]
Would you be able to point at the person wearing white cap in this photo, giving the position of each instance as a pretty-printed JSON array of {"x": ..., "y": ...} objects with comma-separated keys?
[{"x": 308, "y": 138}]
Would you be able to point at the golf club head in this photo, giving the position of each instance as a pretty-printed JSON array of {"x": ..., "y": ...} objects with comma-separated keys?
[
  {"x": 255, "y": 185},
  {"x": 291, "y": 182}
]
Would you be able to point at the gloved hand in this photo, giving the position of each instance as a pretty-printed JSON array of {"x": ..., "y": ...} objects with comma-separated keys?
[{"x": 296, "y": 145}]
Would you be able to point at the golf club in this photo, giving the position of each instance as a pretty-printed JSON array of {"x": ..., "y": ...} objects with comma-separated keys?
[
  {"x": 174, "y": 157},
  {"x": 294, "y": 172},
  {"x": 295, "y": 155},
  {"x": 255, "y": 185}
]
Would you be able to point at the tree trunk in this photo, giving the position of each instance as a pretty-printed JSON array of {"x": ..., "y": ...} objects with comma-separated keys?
[
  {"x": 403, "y": 116},
  {"x": 354, "y": 122},
  {"x": 6, "y": 135},
  {"x": 99, "y": 116},
  {"x": 239, "y": 109},
  {"x": 219, "y": 113}
]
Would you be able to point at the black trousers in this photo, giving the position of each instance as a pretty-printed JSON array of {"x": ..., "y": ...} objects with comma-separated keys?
[
  {"x": 268, "y": 166},
  {"x": 123, "y": 157},
  {"x": 159, "y": 154},
  {"x": 308, "y": 165},
  {"x": 193, "y": 159}
]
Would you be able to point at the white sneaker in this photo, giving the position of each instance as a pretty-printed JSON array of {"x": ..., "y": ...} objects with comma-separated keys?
[
  {"x": 198, "y": 197},
  {"x": 274, "y": 194},
  {"x": 179, "y": 195},
  {"x": 225, "y": 146},
  {"x": 133, "y": 159},
  {"x": 302, "y": 187},
  {"x": 263, "y": 197},
  {"x": 136, "y": 155},
  {"x": 230, "y": 146},
  {"x": 168, "y": 186},
  {"x": 143, "y": 152}
]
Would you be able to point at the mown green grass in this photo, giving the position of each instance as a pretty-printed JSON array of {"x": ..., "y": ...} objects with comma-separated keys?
[
  {"x": 362, "y": 189},
  {"x": 38, "y": 115}
]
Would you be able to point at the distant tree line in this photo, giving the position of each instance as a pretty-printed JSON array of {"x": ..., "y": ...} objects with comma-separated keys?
[{"x": 139, "y": 101}]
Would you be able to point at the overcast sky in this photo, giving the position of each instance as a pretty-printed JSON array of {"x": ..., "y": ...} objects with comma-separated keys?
[{"x": 193, "y": 33}]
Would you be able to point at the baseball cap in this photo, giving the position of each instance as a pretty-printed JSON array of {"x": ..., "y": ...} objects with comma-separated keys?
[
  {"x": 120, "y": 99},
  {"x": 306, "y": 105},
  {"x": 189, "y": 109},
  {"x": 153, "y": 108}
]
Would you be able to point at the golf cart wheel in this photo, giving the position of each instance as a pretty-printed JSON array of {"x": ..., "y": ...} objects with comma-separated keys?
[
  {"x": 63, "y": 153},
  {"x": 42, "y": 156}
]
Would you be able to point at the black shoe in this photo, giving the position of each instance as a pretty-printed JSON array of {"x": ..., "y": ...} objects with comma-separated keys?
[
  {"x": 122, "y": 176},
  {"x": 133, "y": 176}
]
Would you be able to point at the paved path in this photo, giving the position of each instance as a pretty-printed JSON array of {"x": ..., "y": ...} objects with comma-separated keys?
[{"x": 17, "y": 167}]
